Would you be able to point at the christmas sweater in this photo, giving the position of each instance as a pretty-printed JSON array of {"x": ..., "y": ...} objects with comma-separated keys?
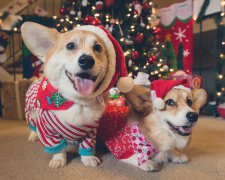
[
  {"x": 124, "y": 140},
  {"x": 54, "y": 133}
]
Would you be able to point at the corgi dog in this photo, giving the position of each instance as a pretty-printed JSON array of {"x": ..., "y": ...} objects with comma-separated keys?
[
  {"x": 66, "y": 103},
  {"x": 147, "y": 142}
]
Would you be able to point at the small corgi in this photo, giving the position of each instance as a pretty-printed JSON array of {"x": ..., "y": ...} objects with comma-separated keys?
[
  {"x": 66, "y": 103},
  {"x": 147, "y": 142}
]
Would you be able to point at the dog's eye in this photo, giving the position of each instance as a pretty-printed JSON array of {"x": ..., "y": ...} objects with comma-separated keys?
[
  {"x": 97, "y": 48},
  {"x": 189, "y": 102},
  {"x": 71, "y": 46},
  {"x": 170, "y": 102}
]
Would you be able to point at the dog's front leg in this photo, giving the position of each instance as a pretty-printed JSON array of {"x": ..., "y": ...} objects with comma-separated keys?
[
  {"x": 177, "y": 157},
  {"x": 33, "y": 137},
  {"x": 90, "y": 160},
  {"x": 149, "y": 165},
  {"x": 161, "y": 157},
  {"x": 58, "y": 160}
]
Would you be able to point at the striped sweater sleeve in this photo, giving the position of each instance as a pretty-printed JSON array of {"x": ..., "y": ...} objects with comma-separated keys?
[{"x": 87, "y": 146}]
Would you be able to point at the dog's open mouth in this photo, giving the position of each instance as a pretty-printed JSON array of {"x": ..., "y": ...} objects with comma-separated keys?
[
  {"x": 181, "y": 130},
  {"x": 83, "y": 82}
]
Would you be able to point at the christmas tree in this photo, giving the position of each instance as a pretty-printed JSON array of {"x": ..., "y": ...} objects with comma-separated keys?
[{"x": 131, "y": 22}]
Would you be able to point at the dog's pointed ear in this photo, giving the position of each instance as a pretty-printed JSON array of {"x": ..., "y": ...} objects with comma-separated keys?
[
  {"x": 39, "y": 39},
  {"x": 199, "y": 97}
]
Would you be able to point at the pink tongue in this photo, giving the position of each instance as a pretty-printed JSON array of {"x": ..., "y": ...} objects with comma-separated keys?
[{"x": 84, "y": 86}]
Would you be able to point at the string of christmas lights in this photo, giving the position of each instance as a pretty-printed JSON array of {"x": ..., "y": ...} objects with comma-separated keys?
[
  {"x": 218, "y": 51},
  {"x": 133, "y": 24}
]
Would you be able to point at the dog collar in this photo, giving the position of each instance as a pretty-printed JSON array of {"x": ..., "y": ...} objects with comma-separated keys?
[{"x": 49, "y": 98}]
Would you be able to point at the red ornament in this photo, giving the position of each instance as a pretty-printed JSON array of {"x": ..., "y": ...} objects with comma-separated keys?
[
  {"x": 157, "y": 31},
  {"x": 96, "y": 22},
  {"x": 135, "y": 55},
  {"x": 112, "y": 21},
  {"x": 62, "y": 11},
  {"x": 135, "y": 12},
  {"x": 139, "y": 38},
  {"x": 87, "y": 19},
  {"x": 99, "y": 5},
  {"x": 145, "y": 6},
  {"x": 152, "y": 59},
  {"x": 109, "y": 3}
]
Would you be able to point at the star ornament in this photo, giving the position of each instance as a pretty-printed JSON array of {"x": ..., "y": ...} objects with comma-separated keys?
[
  {"x": 186, "y": 53},
  {"x": 180, "y": 34}
]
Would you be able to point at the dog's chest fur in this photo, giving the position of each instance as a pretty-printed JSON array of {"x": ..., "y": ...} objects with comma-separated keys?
[{"x": 82, "y": 112}]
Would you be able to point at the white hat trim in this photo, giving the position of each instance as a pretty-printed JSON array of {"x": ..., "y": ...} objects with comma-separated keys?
[{"x": 181, "y": 87}]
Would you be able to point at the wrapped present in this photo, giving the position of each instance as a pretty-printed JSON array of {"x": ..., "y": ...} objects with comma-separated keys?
[
  {"x": 221, "y": 109},
  {"x": 13, "y": 99},
  {"x": 142, "y": 79},
  {"x": 195, "y": 81}
]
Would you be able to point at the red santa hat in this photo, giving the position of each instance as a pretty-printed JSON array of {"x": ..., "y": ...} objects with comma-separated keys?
[
  {"x": 117, "y": 64},
  {"x": 159, "y": 88}
]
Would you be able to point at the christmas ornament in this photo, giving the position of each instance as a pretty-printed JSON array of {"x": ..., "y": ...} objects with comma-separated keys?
[
  {"x": 135, "y": 12},
  {"x": 109, "y": 3},
  {"x": 135, "y": 55},
  {"x": 142, "y": 24},
  {"x": 99, "y": 5},
  {"x": 62, "y": 11},
  {"x": 152, "y": 59},
  {"x": 128, "y": 41},
  {"x": 138, "y": 8},
  {"x": 114, "y": 92},
  {"x": 87, "y": 19},
  {"x": 72, "y": 12},
  {"x": 130, "y": 63},
  {"x": 96, "y": 22},
  {"x": 165, "y": 67},
  {"x": 79, "y": 13},
  {"x": 84, "y": 3},
  {"x": 139, "y": 38},
  {"x": 112, "y": 21},
  {"x": 145, "y": 5},
  {"x": 157, "y": 31}
]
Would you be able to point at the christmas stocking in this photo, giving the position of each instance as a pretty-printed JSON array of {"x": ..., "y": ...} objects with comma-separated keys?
[
  {"x": 3, "y": 45},
  {"x": 177, "y": 34}
]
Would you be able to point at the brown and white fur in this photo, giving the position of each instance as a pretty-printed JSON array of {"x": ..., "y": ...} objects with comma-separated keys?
[
  {"x": 181, "y": 110},
  {"x": 52, "y": 48}
]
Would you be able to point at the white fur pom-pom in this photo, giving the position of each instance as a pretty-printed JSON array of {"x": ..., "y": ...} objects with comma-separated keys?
[
  {"x": 125, "y": 84},
  {"x": 159, "y": 103}
]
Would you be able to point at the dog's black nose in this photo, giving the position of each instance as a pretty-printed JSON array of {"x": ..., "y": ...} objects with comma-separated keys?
[
  {"x": 86, "y": 62},
  {"x": 192, "y": 117}
]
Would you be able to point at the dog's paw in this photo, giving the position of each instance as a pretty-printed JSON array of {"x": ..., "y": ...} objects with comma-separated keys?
[
  {"x": 151, "y": 166},
  {"x": 180, "y": 159},
  {"x": 92, "y": 161},
  {"x": 57, "y": 163},
  {"x": 161, "y": 158},
  {"x": 33, "y": 137}
]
